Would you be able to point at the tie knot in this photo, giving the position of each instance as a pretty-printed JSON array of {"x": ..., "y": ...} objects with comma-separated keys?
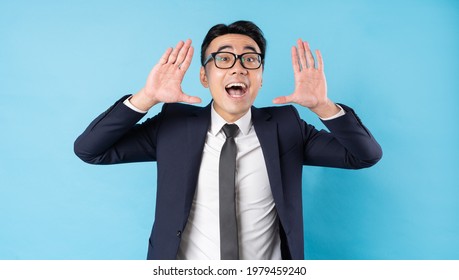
[{"x": 230, "y": 130}]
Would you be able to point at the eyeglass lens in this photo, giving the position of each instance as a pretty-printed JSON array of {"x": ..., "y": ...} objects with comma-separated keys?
[{"x": 227, "y": 60}]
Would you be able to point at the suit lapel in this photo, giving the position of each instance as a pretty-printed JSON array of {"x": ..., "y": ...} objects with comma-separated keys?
[
  {"x": 197, "y": 125},
  {"x": 266, "y": 131}
]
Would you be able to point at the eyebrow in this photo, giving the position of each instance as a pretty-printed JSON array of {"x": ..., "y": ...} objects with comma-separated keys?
[{"x": 247, "y": 47}]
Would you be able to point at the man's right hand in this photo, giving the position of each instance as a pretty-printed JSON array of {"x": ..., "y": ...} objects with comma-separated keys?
[{"x": 164, "y": 81}]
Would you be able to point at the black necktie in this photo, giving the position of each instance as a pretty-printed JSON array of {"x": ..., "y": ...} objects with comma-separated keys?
[{"x": 229, "y": 248}]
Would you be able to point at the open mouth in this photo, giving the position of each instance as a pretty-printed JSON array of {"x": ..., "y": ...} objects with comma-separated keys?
[{"x": 236, "y": 89}]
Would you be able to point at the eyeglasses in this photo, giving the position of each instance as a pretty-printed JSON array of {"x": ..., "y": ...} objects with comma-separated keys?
[{"x": 226, "y": 60}]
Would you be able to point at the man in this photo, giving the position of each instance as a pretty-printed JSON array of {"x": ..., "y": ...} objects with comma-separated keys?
[{"x": 194, "y": 218}]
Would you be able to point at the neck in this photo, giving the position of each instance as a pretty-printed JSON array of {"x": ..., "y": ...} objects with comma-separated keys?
[{"x": 228, "y": 117}]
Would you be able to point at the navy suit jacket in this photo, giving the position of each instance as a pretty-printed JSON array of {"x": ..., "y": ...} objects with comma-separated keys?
[{"x": 175, "y": 139}]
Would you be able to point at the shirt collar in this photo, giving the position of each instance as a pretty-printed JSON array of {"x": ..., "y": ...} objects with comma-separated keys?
[{"x": 217, "y": 122}]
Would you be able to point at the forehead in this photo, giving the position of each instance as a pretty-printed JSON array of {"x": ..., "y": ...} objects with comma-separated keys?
[{"x": 233, "y": 42}]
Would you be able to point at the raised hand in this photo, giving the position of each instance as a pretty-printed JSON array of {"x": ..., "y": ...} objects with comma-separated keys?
[
  {"x": 310, "y": 84},
  {"x": 164, "y": 83}
]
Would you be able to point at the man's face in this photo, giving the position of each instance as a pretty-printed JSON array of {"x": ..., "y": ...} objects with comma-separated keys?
[{"x": 233, "y": 90}]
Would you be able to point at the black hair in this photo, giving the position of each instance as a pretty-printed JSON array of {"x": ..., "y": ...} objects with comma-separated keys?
[{"x": 242, "y": 27}]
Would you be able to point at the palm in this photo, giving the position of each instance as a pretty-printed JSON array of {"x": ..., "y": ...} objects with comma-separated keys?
[
  {"x": 310, "y": 88},
  {"x": 310, "y": 84},
  {"x": 164, "y": 83}
]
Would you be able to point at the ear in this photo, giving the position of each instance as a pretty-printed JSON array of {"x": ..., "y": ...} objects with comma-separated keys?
[{"x": 203, "y": 77}]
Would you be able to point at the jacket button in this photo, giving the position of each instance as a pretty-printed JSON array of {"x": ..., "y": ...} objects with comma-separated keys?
[{"x": 179, "y": 233}]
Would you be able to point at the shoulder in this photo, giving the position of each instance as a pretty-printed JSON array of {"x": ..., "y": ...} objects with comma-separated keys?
[
  {"x": 182, "y": 109},
  {"x": 179, "y": 107},
  {"x": 278, "y": 113},
  {"x": 286, "y": 119}
]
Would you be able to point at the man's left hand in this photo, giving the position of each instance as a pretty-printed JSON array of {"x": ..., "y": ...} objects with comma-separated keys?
[{"x": 310, "y": 84}]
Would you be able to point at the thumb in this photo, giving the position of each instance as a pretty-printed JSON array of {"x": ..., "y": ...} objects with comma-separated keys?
[
  {"x": 190, "y": 99},
  {"x": 282, "y": 99}
]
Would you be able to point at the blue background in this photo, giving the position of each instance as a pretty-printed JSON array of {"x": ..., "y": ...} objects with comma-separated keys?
[{"x": 64, "y": 62}]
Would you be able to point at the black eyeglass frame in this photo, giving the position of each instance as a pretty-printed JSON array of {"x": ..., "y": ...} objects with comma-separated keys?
[{"x": 236, "y": 57}]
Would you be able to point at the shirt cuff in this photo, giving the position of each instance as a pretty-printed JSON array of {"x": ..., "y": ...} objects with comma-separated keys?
[
  {"x": 132, "y": 107},
  {"x": 337, "y": 115}
]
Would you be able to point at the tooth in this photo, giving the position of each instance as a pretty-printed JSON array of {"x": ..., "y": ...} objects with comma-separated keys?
[{"x": 236, "y": 85}]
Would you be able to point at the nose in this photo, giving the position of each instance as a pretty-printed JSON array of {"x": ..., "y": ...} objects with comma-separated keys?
[{"x": 238, "y": 68}]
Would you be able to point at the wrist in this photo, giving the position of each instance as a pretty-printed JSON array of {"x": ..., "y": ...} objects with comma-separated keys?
[
  {"x": 142, "y": 101},
  {"x": 326, "y": 110}
]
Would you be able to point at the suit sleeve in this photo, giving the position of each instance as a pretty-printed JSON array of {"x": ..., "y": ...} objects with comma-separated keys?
[
  {"x": 349, "y": 144},
  {"x": 115, "y": 137}
]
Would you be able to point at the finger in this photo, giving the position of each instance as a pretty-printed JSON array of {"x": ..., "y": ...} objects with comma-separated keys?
[
  {"x": 173, "y": 56},
  {"x": 301, "y": 54},
  {"x": 295, "y": 62},
  {"x": 309, "y": 57},
  {"x": 183, "y": 52},
  {"x": 283, "y": 99},
  {"x": 320, "y": 62},
  {"x": 190, "y": 99},
  {"x": 165, "y": 56},
  {"x": 186, "y": 63}
]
